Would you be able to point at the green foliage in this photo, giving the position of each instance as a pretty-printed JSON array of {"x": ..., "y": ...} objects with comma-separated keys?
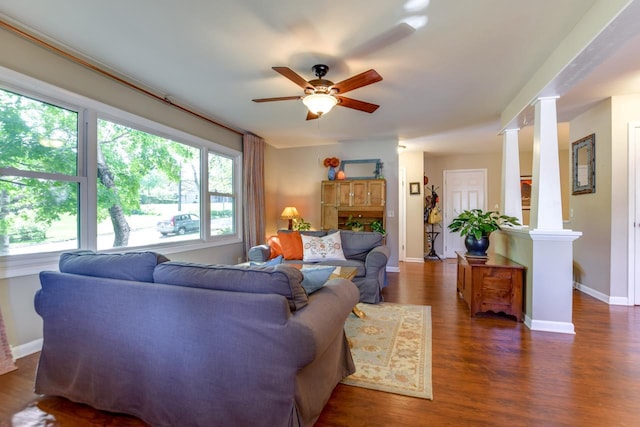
[
  {"x": 227, "y": 213},
  {"x": 480, "y": 223},
  {"x": 301, "y": 225},
  {"x": 29, "y": 233},
  {"x": 353, "y": 223},
  {"x": 377, "y": 226}
]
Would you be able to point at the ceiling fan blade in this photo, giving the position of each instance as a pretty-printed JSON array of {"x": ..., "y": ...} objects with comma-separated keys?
[
  {"x": 357, "y": 81},
  {"x": 282, "y": 98},
  {"x": 356, "y": 104},
  {"x": 293, "y": 76},
  {"x": 312, "y": 116}
]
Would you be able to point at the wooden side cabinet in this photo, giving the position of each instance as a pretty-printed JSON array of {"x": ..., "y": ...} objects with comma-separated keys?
[{"x": 491, "y": 284}]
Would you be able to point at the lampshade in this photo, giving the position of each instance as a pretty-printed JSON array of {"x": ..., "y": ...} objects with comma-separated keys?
[
  {"x": 290, "y": 212},
  {"x": 319, "y": 103}
]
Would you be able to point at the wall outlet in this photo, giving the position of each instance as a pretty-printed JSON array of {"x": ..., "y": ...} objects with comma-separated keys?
[{"x": 390, "y": 214}]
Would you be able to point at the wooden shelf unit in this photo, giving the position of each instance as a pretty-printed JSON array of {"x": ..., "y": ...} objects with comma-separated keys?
[{"x": 362, "y": 198}]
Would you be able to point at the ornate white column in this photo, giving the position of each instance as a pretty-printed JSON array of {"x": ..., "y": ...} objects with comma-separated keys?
[
  {"x": 550, "y": 305},
  {"x": 511, "y": 199},
  {"x": 546, "y": 199}
]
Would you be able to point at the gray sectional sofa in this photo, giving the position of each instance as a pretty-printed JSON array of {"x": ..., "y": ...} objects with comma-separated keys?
[
  {"x": 180, "y": 344},
  {"x": 364, "y": 250}
]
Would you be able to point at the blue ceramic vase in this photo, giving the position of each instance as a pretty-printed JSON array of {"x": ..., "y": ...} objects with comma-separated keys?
[{"x": 332, "y": 174}]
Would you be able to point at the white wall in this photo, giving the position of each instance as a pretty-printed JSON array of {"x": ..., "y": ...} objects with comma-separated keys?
[
  {"x": 601, "y": 253},
  {"x": 592, "y": 212},
  {"x": 413, "y": 163},
  {"x": 293, "y": 177},
  {"x": 625, "y": 109}
]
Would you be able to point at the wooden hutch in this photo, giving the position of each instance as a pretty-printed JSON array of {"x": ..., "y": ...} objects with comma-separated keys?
[{"x": 364, "y": 199}]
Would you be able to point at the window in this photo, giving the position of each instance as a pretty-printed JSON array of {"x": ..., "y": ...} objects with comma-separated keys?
[
  {"x": 221, "y": 195},
  {"x": 39, "y": 185},
  {"x": 75, "y": 173},
  {"x": 145, "y": 183}
]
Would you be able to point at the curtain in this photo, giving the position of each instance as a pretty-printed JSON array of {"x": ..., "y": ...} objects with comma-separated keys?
[
  {"x": 6, "y": 359},
  {"x": 253, "y": 194}
]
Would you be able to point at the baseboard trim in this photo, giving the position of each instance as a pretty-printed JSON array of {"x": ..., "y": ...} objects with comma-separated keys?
[
  {"x": 414, "y": 260},
  {"x": 393, "y": 269},
  {"x": 600, "y": 296},
  {"x": 550, "y": 326},
  {"x": 26, "y": 349}
]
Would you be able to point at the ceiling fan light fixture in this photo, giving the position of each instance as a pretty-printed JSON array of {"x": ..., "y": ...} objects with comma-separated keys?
[{"x": 319, "y": 103}]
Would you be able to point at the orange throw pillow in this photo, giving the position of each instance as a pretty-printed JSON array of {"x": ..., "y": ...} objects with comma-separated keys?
[
  {"x": 291, "y": 244},
  {"x": 274, "y": 245}
]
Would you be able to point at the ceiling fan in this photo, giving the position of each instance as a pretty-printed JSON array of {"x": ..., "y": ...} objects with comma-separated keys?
[{"x": 322, "y": 95}]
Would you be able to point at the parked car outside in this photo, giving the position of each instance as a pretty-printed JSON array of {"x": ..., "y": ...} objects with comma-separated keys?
[{"x": 179, "y": 224}]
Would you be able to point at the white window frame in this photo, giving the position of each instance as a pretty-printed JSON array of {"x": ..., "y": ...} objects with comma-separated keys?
[{"x": 89, "y": 111}]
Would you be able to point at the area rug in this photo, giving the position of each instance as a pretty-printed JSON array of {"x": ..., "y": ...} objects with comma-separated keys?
[{"x": 391, "y": 348}]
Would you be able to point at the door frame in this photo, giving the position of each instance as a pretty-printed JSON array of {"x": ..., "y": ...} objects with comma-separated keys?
[
  {"x": 402, "y": 214},
  {"x": 446, "y": 236},
  {"x": 633, "y": 252}
]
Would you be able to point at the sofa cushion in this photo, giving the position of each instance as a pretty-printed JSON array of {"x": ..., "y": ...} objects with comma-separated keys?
[
  {"x": 357, "y": 244},
  {"x": 280, "y": 279},
  {"x": 136, "y": 266},
  {"x": 314, "y": 277},
  {"x": 324, "y": 248}
]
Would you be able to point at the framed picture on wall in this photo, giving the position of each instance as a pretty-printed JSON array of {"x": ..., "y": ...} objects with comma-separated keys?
[
  {"x": 414, "y": 188},
  {"x": 525, "y": 191}
]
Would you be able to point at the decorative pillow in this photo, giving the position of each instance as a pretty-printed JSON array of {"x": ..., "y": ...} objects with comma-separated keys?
[
  {"x": 273, "y": 261},
  {"x": 314, "y": 278},
  {"x": 274, "y": 245},
  {"x": 327, "y": 248},
  {"x": 291, "y": 244}
]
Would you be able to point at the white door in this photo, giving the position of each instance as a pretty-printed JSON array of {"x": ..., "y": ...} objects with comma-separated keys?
[
  {"x": 463, "y": 189},
  {"x": 634, "y": 213}
]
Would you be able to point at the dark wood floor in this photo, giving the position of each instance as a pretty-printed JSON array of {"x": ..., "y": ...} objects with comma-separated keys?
[{"x": 486, "y": 371}]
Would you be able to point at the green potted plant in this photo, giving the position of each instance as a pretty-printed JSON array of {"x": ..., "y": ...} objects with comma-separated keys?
[
  {"x": 354, "y": 224},
  {"x": 476, "y": 225},
  {"x": 376, "y": 225},
  {"x": 301, "y": 225}
]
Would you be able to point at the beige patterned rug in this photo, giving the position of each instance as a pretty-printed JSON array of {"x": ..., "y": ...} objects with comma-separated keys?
[{"x": 391, "y": 348}]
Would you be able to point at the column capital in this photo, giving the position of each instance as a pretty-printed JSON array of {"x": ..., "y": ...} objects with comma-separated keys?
[{"x": 544, "y": 98}]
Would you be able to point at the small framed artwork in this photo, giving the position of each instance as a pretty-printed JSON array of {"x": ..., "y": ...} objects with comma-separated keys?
[
  {"x": 414, "y": 188},
  {"x": 525, "y": 191}
]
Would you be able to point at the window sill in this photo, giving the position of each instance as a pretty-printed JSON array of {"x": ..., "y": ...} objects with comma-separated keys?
[{"x": 27, "y": 265}]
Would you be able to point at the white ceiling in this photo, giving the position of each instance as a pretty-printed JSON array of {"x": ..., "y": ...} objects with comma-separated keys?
[{"x": 445, "y": 84}]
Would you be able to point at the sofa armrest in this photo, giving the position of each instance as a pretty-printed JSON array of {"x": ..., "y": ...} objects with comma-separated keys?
[
  {"x": 376, "y": 259},
  {"x": 259, "y": 253},
  {"x": 327, "y": 311}
]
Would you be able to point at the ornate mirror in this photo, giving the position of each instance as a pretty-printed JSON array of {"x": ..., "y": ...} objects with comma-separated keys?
[{"x": 584, "y": 165}]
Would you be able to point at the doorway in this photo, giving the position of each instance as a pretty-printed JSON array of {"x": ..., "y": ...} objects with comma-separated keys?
[
  {"x": 463, "y": 189},
  {"x": 634, "y": 211}
]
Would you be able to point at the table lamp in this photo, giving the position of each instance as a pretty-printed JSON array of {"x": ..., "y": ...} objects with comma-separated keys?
[{"x": 290, "y": 213}]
